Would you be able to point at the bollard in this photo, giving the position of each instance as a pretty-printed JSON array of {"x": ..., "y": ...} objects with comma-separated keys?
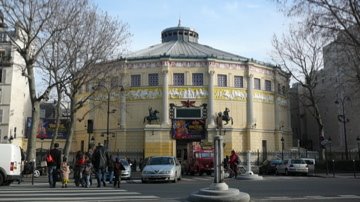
[
  {"x": 354, "y": 168},
  {"x": 333, "y": 165},
  {"x": 327, "y": 167}
]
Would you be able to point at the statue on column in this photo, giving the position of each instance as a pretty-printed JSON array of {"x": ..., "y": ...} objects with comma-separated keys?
[
  {"x": 152, "y": 116},
  {"x": 226, "y": 117}
]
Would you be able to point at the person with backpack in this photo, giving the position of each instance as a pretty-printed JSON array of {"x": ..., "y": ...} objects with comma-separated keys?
[
  {"x": 53, "y": 160},
  {"x": 99, "y": 163},
  {"x": 234, "y": 161}
]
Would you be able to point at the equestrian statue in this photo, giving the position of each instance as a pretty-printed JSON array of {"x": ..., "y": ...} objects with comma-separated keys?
[
  {"x": 152, "y": 116},
  {"x": 225, "y": 116}
]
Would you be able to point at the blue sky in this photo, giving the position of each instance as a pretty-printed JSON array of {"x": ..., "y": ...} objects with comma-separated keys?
[{"x": 242, "y": 27}]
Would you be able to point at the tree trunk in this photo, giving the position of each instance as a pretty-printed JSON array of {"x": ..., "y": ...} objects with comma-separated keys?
[
  {"x": 71, "y": 132},
  {"x": 31, "y": 147}
]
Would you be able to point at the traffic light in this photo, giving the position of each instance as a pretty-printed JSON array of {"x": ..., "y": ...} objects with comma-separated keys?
[{"x": 90, "y": 126}]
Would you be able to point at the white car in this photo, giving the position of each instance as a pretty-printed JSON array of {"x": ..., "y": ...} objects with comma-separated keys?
[
  {"x": 292, "y": 166},
  {"x": 161, "y": 168}
]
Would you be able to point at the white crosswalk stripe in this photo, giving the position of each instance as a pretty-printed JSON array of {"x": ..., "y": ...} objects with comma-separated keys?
[{"x": 40, "y": 193}]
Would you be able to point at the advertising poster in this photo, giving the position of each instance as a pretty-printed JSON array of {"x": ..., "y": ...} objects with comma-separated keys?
[
  {"x": 188, "y": 129},
  {"x": 46, "y": 128}
]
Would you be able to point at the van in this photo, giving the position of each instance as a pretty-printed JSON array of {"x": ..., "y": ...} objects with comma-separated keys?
[
  {"x": 10, "y": 163},
  {"x": 311, "y": 165}
]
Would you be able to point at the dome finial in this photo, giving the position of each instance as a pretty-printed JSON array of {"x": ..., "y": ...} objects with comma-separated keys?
[{"x": 179, "y": 24}]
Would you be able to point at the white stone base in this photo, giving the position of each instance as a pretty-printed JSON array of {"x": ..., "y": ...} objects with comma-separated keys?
[
  {"x": 211, "y": 195},
  {"x": 249, "y": 176}
]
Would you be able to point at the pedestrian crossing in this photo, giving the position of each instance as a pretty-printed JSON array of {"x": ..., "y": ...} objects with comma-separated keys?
[{"x": 72, "y": 193}]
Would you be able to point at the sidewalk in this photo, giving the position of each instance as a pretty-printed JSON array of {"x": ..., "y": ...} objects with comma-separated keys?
[{"x": 338, "y": 175}]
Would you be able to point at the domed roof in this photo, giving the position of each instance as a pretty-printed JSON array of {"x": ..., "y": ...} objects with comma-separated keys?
[{"x": 182, "y": 42}]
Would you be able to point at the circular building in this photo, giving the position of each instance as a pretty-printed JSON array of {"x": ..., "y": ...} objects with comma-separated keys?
[{"x": 175, "y": 93}]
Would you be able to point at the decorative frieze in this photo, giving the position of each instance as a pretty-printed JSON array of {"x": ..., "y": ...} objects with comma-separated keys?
[
  {"x": 188, "y": 93},
  {"x": 230, "y": 94},
  {"x": 263, "y": 97}
]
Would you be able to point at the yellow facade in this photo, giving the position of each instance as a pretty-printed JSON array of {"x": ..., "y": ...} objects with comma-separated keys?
[{"x": 155, "y": 139}]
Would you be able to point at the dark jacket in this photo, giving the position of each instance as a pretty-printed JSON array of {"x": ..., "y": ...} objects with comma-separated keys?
[
  {"x": 56, "y": 154},
  {"x": 100, "y": 158}
]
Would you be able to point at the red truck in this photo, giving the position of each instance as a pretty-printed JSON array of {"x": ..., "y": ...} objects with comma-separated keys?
[{"x": 200, "y": 158}]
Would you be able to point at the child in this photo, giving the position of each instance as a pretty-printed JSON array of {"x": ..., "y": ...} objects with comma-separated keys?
[
  {"x": 87, "y": 173},
  {"x": 65, "y": 171},
  {"x": 118, "y": 167}
]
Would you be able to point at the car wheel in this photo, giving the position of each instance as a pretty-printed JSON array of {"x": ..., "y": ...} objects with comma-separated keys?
[
  {"x": 175, "y": 178},
  {"x": 143, "y": 181},
  {"x": 1, "y": 179},
  {"x": 36, "y": 173}
]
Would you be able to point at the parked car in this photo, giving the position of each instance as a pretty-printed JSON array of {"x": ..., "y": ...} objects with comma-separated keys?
[
  {"x": 311, "y": 165},
  {"x": 125, "y": 174},
  {"x": 10, "y": 164},
  {"x": 292, "y": 166},
  {"x": 269, "y": 167},
  {"x": 161, "y": 168}
]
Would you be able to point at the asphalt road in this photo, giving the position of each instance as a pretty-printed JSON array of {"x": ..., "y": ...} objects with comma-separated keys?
[{"x": 271, "y": 188}]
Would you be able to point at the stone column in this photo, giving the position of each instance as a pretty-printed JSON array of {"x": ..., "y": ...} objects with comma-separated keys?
[
  {"x": 250, "y": 87},
  {"x": 211, "y": 98},
  {"x": 165, "y": 97}
]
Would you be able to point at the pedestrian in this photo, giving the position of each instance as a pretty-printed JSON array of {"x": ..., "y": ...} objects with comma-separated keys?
[
  {"x": 118, "y": 167},
  {"x": 110, "y": 166},
  {"x": 53, "y": 160},
  {"x": 234, "y": 161},
  {"x": 80, "y": 160},
  {"x": 99, "y": 163},
  {"x": 65, "y": 172},
  {"x": 87, "y": 174}
]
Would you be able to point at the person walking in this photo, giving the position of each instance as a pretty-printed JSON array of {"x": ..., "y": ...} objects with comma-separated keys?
[
  {"x": 53, "y": 160},
  {"x": 87, "y": 173},
  {"x": 65, "y": 172},
  {"x": 110, "y": 166},
  {"x": 99, "y": 163},
  {"x": 118, "y": 167},
  {"x": 234, "y": 161}
]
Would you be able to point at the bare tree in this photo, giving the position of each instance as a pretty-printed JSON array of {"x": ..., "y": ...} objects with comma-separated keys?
[
  {"x": 36, "y": 22},
  {"x": 338, "y": 20},
  {"x": 300, "y": 53},
  {"x": 86, "y": 45}
]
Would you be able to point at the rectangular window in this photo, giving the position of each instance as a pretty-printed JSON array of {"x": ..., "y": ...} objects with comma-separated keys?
[
  {"x": 279, "y": 88},
  {"x": 153, "y": 79},
  {"x": 197, "y": 79},
  {"x": 178, "y": 79},
  {"x": 257, "y": 84},
  {"x": 267, "y": 85},
  {"x": 283, "y": 90},
  {"x": 1, "y": 115},
  {"x": 2, "y": 75},
  {"x": 239, "y": 82},
  {"x": 222, "y": 80},
  {"x": 135, "y": 80}
]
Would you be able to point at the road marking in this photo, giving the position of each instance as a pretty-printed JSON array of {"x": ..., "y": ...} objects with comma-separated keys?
[{"x": 71, "y": 194}]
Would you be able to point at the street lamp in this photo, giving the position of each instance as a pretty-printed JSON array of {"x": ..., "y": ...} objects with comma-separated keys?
[
  {"x": 329, "y": 142},
  {"x": 282, "y": 148},
  {"x": 342, "y": 118},
  {"x": 108, "y": 90},
  {"x": 358, "y": 143}
]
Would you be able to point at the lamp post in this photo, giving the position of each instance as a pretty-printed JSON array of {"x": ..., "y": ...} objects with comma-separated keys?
[
  {"x": 358, "y": 143},
  {"x": 282, "y": 148},
  {"x": 329, "y": 142},
  {"x": 342, "y": 118},
  {"x": 108, "y": 92}
]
